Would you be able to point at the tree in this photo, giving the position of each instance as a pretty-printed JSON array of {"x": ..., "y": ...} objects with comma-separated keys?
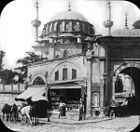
[
  {"x": 30, "y": 58},
  {"x": 7, "y": 76},
  {"x": 2, "y": 54}
]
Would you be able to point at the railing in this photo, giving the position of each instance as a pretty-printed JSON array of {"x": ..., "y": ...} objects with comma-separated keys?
[{"x": 12, "y": 88}]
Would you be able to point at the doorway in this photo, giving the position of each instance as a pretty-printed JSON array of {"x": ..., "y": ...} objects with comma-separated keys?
[{"x": 127, "y": 86}]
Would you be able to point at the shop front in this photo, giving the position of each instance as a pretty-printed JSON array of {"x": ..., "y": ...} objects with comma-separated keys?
[{"x": 69, "y": 93}]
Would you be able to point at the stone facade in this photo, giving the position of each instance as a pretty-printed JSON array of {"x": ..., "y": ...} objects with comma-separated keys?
[{"x": 74, "y": 58}]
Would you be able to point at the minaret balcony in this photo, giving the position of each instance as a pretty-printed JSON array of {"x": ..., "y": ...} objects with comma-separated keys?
[
  {"x": 108, "y": 23},
  {"x": 36, "y": 23}
]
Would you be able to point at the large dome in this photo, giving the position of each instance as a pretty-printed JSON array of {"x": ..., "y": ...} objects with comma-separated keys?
[
  {"x": 68, "y": 15},
  {"x": 68, "y": 22}
]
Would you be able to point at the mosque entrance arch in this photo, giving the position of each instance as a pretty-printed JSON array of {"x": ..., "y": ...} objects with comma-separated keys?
[
  {"x": 128, "y": 73},
  {"x": 127, "y": 84},
  {"x": 128, "y": 80}
]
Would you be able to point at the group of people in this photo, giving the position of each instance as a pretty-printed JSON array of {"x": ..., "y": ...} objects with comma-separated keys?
[
  {"x": 10, "y": 111},
  {"x": 28, "y": 109}
]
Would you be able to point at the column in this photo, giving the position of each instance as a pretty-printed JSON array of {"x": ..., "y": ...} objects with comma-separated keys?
[
  {"x": 113, "y": 88},
  {"x": 46, "y": 85},
  {"x": 18, "y": 85},
  {"x": 11, "y": 87},
  {"x": 89, "y": 83},
  {"x": 105, "y": 87},
  {"x": 3, "y": 87},
  {"x": 102, "y": 96}
]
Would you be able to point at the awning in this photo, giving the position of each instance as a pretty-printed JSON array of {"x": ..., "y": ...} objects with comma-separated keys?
[
  {"x": 31, "y": 92},
  {"x": 66, "y": 86},
  {"x": 38, "y": 97}
]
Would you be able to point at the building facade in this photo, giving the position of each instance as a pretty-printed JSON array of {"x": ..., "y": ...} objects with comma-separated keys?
[{"x": 78, "y": 64}]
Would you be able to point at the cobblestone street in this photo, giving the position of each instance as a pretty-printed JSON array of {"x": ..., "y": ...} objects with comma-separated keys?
[{"x": 123, "y": 124}]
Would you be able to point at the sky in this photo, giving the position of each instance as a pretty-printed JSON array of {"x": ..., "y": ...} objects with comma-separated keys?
[{"x": 16, "y": 31}]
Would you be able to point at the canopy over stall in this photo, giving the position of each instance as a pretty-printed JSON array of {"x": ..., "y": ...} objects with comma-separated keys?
[{"x": 33, "y": 92}]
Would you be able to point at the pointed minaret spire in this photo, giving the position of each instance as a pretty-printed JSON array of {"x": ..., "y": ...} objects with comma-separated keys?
[
  {"x": 126, "y": 15},
  {"x": 69, "y": 6},
  {"x": 36, "y": 7},
  {"x": 36, "y": 23}
]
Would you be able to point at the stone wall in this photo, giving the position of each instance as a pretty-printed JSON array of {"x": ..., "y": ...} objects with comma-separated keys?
[
  {"x": 8, "y": 94},
  {"x": 6, "y": 98}
]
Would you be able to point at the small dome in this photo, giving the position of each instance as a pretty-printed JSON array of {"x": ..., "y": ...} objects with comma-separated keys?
[
  {"x": 136, "y": 24},
  {"x": 134, "y": 32},
  {"x": 68, "y": 15}
]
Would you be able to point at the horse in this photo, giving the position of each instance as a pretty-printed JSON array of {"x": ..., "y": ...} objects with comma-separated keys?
[
  {"x": 6, "y": 110},
  {"x": 25, "y": 111},
  {"x": 38, "y": 109},
  {"x": 14, "y": 112}
]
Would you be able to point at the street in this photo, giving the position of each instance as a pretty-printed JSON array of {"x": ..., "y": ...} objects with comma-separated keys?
[{"x": 123, "y": 124}]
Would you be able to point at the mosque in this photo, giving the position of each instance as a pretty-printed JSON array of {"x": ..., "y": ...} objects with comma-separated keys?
[{"x": 76, "y": 63}]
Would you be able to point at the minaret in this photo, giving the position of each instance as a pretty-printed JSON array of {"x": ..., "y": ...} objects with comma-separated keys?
[
  {"x": 36, "y": 23},
  {"x": 126, "y": 15},
  {"x": 69, "y": 6},
  {"x": 108, "y": 24}
]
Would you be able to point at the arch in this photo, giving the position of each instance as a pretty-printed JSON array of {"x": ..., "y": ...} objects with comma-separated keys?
[
  {"x": 132, "y": 69},
  {"x": 124, "y": 66},
  {"x": 134, "y": 73},
  {"x": 40, "y": 76},
  {"x": 78, "y": 68}
]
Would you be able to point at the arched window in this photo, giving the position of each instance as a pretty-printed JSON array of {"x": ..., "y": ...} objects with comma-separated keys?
[
  {"x": 38, "y": 81},
  {"x": 62, "y": 26},
  {"x": 74, "y": 74},
  {"x": 76, "y": 26},
  {"x": 69, "y": 26},
  {"x": 65, "y": 70},
  {"x": 56, "y": 75}
]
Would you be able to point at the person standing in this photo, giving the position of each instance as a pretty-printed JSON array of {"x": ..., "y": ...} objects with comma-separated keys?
[
  {"x": 81, "y": 110},
  {"x": 62, "y": 109}
]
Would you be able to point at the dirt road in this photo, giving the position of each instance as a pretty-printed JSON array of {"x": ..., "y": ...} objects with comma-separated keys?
[{"x": 123, "y": 124}]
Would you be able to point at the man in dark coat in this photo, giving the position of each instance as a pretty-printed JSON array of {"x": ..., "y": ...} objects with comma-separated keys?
[{"x": 81, "y": 110}]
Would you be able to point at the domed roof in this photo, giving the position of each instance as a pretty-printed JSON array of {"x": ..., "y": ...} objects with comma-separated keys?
[
  {"x": 68, "y": 15},
  {"x": 126, "y": 32},
  {"x": 136, "y": 24},
  {"x": 68, "y": 22}
]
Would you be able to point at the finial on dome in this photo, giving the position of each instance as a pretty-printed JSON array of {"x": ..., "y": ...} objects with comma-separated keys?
[
  {"x": 69, "y": 6},
  {"x": 126, "y": 15},
  {"x": 36, "y": 7}
]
